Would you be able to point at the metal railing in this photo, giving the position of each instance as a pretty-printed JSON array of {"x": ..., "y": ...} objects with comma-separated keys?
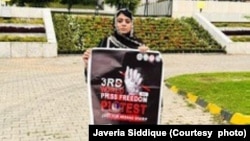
[{"x": 163, "y": 8}]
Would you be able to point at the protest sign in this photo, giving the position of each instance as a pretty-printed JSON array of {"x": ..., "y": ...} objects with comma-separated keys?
[{"x": 125, "y": 86}]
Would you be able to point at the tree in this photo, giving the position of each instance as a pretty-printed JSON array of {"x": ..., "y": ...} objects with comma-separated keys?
[
  {"x": 130, "y": 4},
  {"x": 18, "y": 2},
  {"x": 100, "y": 4},
  {"x": 69, "y": 3},
  {"x": 34, "y": 3}
]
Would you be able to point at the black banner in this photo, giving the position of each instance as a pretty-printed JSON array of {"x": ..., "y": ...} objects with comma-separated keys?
[
  {"x": 170, "y": 132},
  {"x": 125, "y": 86}
]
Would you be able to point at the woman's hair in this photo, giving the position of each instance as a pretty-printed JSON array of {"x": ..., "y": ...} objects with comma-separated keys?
[{"x": 126, "y": 12}]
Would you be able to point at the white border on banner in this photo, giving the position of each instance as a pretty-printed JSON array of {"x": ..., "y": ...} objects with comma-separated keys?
[{"x": 160, "y": 108}]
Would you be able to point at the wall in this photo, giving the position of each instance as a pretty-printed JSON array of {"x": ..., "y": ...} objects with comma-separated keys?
[
  {"x": 230, "y": 46},
  {"x": 206, "y": 12},
  {"x": 188, "y": 8},
  {"x": 30, "y": 49}
]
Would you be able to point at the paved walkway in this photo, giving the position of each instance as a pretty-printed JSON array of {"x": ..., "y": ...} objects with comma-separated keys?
[{"x": 45, "y": 99}]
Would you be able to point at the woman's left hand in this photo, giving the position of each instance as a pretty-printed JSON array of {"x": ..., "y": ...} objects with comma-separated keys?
[{"x": 143, "y": 48}]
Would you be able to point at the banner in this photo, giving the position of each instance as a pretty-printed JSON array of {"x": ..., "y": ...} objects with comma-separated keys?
[{"x": 125, "y": 86}]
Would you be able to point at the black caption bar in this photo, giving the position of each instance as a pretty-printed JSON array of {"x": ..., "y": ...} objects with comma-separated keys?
[{"x": 171, "y": 132}]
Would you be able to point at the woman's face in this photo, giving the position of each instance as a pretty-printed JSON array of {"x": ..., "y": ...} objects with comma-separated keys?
[{"x": 124, "y": 24}]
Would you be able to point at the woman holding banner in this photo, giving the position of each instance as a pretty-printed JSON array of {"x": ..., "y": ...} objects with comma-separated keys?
[
  {"x": 122, "y": 37},
  {"x": 127, "y": 82}
]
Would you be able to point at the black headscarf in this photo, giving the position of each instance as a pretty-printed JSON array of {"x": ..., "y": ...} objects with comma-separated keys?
[
  {"x": 128, "y": 40},
  {"x": 128, "y": 14}
]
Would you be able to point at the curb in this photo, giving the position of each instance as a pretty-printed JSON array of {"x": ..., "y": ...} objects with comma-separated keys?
[{"x": 233, "y": 118}]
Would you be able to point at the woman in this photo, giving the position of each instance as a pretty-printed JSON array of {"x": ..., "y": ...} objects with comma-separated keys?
[
  {"x": 123, "y": 36},
  {"x": 131, "y": 77}
]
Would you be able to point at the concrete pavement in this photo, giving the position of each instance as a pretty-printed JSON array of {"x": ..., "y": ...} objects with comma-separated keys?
[{"x": 46, "y": 98}]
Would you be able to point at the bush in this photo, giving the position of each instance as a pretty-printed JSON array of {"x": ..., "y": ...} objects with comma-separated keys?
[{"x": 75, "y": 33}]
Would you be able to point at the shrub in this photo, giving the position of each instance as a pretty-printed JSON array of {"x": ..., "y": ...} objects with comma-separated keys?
[{"x": 76, "y": 33}]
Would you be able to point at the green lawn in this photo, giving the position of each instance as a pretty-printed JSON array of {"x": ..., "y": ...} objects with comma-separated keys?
[{"x": 230, "y": 91}]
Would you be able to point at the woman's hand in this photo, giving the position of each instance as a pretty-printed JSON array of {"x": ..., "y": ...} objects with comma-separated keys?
[
  {"x": 143, "y": 48},
  {"x": 86, "y": 56}
]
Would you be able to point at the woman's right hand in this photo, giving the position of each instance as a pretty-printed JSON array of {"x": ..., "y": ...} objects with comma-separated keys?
[
  {"x": 143, "y": 48},
  {"x": 86, "y": 56}
]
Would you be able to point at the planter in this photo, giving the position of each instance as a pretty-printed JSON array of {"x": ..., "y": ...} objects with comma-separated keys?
[{"x": 29, "y": 49}]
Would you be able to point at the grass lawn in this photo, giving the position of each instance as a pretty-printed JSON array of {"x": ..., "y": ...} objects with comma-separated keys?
[{"x": 230, "y": 91}]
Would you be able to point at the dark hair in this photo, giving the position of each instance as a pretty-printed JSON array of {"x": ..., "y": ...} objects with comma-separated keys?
[{"x": 126, "y": 12}]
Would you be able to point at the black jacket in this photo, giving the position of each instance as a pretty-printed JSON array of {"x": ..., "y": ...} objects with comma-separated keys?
[{"x": 117, "y": 41}]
